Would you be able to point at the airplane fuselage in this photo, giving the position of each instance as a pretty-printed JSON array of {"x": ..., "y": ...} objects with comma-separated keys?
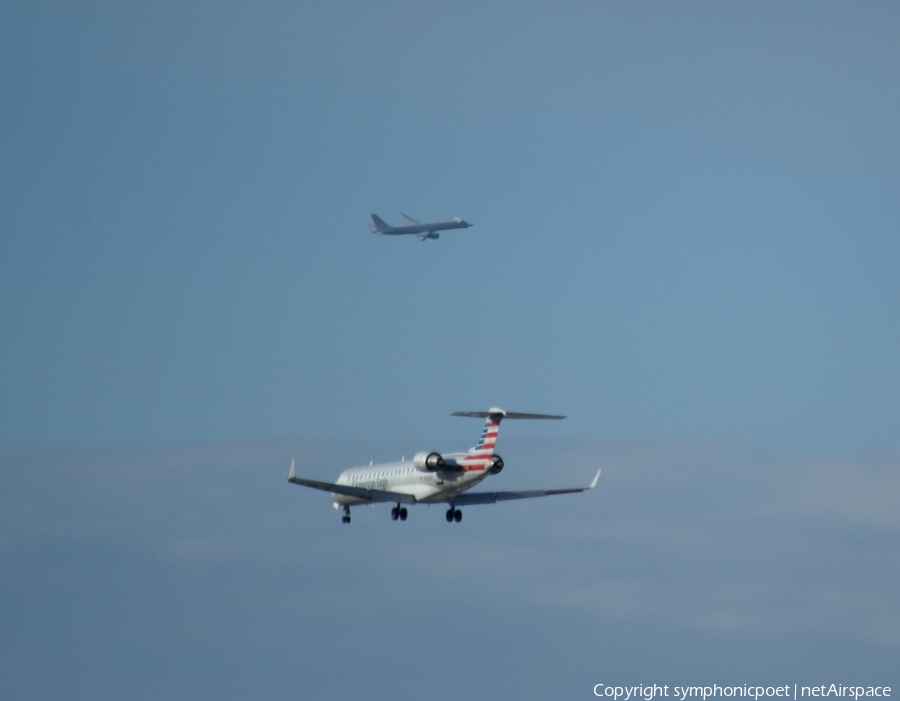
[
  {"x": 403, "y": 478},
  {"x": 425, "y": 228}
]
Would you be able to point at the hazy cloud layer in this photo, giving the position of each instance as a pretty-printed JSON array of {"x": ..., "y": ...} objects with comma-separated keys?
[{"x": 198, "y": 570}]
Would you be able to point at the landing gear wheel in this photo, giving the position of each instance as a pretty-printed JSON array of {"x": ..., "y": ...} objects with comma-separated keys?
[
  {"x": 346, "y": 517},
  {"x": 457, "y": 516},
  {"x": 450, "y": 513},
  {"x": 403, "y": 514},
  {"x": 395, "y": 513}
]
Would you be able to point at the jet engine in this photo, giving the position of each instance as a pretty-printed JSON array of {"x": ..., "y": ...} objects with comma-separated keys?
[
  {"x": 496, "y": 464},
  {"x": 428, "y": 462}
]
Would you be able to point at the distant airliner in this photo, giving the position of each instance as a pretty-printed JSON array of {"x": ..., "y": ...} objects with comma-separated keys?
[
  {"x": 423, "y": 231},
  {"x": 432, "y": 478}
]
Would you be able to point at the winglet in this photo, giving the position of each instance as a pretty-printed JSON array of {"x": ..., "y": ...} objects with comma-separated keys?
[
  {"x": 291, "y": 474},
  {"x": 593, "y": 484}
]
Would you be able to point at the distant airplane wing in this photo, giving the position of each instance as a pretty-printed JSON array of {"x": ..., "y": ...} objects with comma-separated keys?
[
  {"x": 409, "y": 219},
  {"x": 473, "y": 498},
  {"x": 371, "y": 494}
]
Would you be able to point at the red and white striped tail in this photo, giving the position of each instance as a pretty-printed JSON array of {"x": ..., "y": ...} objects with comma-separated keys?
[{"x": 479, "y": 457}]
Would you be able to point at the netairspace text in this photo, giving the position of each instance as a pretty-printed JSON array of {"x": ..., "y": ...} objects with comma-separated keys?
[{"x": 788, "y": 691}]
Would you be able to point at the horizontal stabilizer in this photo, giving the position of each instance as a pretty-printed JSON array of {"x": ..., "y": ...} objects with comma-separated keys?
[{"x": 501, "y": 413}]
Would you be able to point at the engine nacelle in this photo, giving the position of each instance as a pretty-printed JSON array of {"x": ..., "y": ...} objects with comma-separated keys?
[
  {"x": 496, "y": 464},
  {"x": 428, "y": 462}
]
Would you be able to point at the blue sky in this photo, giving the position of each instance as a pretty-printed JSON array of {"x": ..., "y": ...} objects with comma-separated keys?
[
  {"x": 685, "y": 220},
  {"x": 685, "y": 239}
]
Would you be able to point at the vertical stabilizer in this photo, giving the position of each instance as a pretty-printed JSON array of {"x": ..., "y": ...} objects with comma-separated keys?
[
  {"x": 488, "y": 439},
  {"x": 379, "y": 225},
  {"x": 481, "y": 456}
]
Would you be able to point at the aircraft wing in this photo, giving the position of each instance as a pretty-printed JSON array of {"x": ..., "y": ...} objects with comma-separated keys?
[
  {"x": 409, "y": 219},
  {"x": 472, "y": 498},
  {"x": 370, "y": 494}
]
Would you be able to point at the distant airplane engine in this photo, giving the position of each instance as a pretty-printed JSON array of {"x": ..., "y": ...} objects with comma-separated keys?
[
  {"x": 428, "y": 462},
  {"x": 496, "y": 464},
  {"x": 434, "y": 235}
]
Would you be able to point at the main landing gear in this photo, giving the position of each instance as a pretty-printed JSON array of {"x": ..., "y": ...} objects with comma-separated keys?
[
  {"x": 454, "y": 514},
  {"x": 346, "y": 517},
  {"x": 398, "y": 512}
]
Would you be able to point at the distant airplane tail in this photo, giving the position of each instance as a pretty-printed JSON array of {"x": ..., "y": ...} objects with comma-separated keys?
[{"x": 380, "y": 225}]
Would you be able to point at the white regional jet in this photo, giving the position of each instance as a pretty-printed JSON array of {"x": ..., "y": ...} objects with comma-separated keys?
[
  {"x": 432, "y": 478},
  {"x": 423, "y": 231}
]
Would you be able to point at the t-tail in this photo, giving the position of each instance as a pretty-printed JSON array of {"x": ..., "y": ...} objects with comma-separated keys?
[
  {"x": 379, "y": 225},
  {"x": 481, "y": 456}
]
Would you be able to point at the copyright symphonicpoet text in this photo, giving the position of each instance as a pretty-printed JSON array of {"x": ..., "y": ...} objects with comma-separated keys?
[{"x": 788, "y": 691}]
